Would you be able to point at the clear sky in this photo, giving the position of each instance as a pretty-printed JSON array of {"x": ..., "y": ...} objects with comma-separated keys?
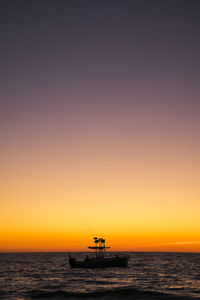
[{"x": 99, "y": 125}]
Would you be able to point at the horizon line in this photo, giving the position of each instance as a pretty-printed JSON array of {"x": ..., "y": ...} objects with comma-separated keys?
[{"x": 6, "y": 252}]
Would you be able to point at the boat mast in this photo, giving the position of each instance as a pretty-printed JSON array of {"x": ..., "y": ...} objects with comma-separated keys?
[{"x": 99, "y": 246}]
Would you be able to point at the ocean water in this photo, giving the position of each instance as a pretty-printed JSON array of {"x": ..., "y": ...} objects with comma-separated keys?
[{"x": 148, "y": 276}]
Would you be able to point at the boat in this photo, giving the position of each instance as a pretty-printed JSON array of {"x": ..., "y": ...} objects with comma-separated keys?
[{"x": 99, "y": 260}]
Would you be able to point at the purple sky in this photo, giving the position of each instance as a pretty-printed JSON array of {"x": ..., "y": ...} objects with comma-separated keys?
[{"x": 106, "y": 60}]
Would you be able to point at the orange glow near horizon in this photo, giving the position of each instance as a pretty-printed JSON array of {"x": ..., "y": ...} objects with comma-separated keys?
[{"x": 54, "y": 205}]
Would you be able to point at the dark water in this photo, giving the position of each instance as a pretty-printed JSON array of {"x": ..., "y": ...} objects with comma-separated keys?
[{"x": 148, "y": 276}]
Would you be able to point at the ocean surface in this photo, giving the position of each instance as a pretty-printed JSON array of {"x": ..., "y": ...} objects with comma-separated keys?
[{"x": 148, "y": 276}]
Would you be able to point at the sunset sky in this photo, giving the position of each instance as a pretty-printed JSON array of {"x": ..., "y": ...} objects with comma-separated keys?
[{"x": 100, "y": 125}]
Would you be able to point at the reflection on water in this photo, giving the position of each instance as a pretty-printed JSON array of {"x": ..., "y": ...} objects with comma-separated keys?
[{"x": 24, "y": 273}]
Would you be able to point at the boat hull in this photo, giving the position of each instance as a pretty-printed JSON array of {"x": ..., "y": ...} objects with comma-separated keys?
[{"x": 115, "y": 261}]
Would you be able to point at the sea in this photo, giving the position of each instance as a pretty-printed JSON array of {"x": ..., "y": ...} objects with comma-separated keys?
[{"x": 148, "y": 276}]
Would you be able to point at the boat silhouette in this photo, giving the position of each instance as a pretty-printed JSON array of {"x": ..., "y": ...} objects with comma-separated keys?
[{"x": 99, "y": 260}]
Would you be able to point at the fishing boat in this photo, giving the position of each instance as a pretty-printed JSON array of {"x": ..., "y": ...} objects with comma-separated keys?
[{"x": 99, "y": 260}]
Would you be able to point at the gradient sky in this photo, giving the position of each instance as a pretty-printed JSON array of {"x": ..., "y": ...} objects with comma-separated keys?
[{"x": 99, "y": 125}]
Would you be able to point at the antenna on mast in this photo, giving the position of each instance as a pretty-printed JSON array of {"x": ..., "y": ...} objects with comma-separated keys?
[{"x": 90, "y": 230}]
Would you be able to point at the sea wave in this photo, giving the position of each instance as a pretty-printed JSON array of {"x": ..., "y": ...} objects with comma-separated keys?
[{"x": 118, "y": 294}]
